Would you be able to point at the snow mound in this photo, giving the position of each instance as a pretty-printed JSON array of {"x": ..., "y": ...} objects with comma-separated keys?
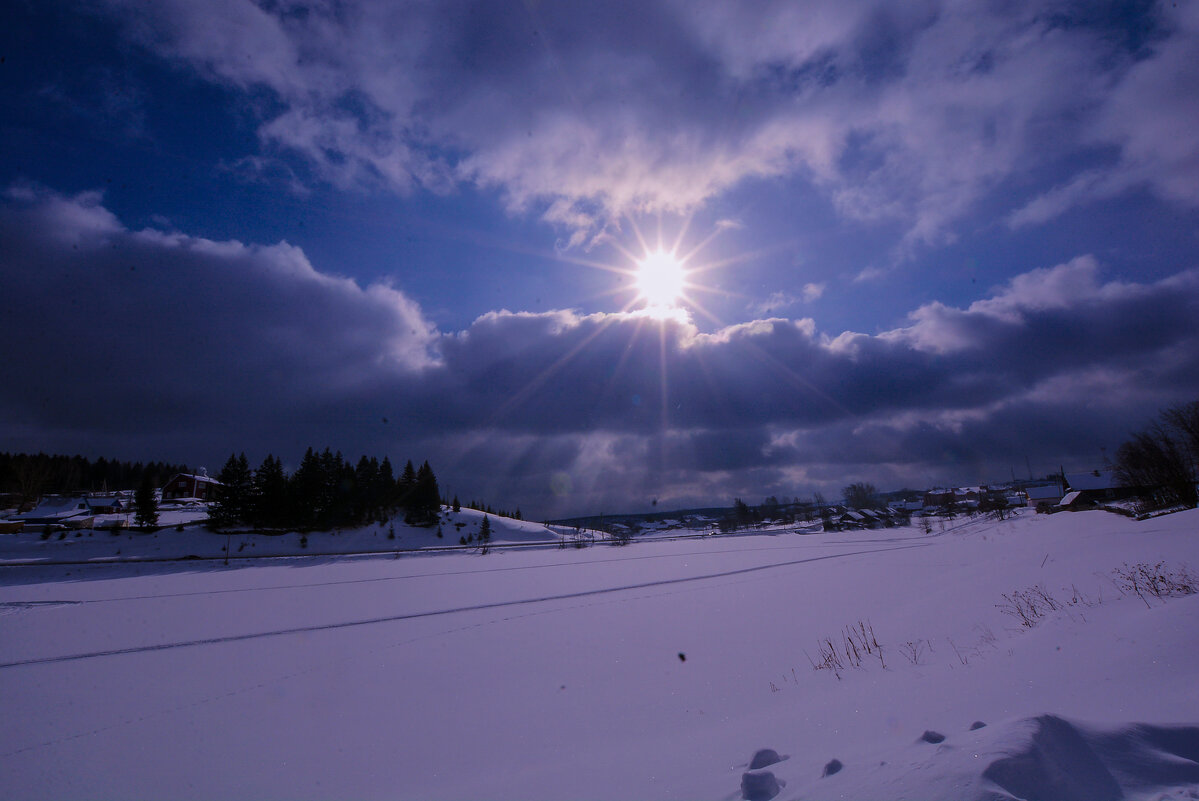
[
  {"x": 1055, "y": 763},
  {"x": 1042, "y": 758},
  {"x": 1066, "y": 761}
]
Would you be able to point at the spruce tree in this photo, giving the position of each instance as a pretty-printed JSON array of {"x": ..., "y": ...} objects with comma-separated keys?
[
  {"x": 305, "y": 489},
  {"x": 386, "y": 486},
  {"x": 146, "y": 502},
  {"x": 406, "y": 486},
  {"x": 485, "y": 533},
  {"x": 424, "y": 501},
  {"x": 234, "y": 500},
  {"x": 270, "y": 494}
]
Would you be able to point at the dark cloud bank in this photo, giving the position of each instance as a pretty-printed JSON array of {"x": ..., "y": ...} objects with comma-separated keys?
[{"x": 156, "y": 344}]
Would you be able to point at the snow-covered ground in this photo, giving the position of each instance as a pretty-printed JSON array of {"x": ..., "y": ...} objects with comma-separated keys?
[{"x": 655, "y": 670}]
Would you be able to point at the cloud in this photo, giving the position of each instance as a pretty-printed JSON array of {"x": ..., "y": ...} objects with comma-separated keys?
[
  {"x": 129, "y": 334},
  {"x": 1142, "y": 117},
  {"x": 157, "y": 344},
  {"x": 582, "y": 112},
  {"x": 783, "y": 300}
]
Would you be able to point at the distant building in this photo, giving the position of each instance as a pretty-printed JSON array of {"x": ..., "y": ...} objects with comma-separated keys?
[
  {"x": 189, "y": 486},
  {"x": 1045, "y": 496},
  {"x": 938, "y": 497},
  {"x": 105, "y": 504}
]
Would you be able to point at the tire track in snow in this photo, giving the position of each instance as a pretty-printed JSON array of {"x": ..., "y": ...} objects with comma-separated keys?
[{"x": 231, "y": 638}]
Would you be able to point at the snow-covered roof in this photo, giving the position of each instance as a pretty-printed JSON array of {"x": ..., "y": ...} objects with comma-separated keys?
[
  {"x": 1069, "y": 498},
  {"x": 1049, "y": 492},
  {"x": 55, "y": 507},
  {"x": 198, "y": 479},
  {"x": 1094, "y": 480}
]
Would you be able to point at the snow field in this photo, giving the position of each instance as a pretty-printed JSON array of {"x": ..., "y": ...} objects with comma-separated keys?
[{"x": 557, "y": 673}]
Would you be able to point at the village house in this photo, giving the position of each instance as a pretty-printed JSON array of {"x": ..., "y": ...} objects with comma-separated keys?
[
  {"x": 106, "y": 504},
  {"x": 1098, "y": 486},
  {"x": 189, "y": 486}
]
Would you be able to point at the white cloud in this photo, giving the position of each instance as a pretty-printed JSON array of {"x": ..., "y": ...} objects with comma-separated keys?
[
  {"x": 784, "y": 300},
  {"x": 903, "y": 113},
  {"x": 1147, "y": 115}
]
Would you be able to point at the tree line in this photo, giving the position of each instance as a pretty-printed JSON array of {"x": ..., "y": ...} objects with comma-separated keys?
[
  {"x": 326, "y": 491},
  {"x": 28, "y": 476}
]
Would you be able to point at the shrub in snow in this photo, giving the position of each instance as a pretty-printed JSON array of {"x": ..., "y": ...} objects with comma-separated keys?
[
  {"x": 833, "y": 766},
  {"x": 1144, "y": 579},
  {"x": 931, "y": 736},
  {"x": 1029, "y": 606}
]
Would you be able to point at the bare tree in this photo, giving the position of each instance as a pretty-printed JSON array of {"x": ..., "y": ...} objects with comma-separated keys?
[
  {"x": 1161, "y": 460},
  {"x": 860, "y": 495}
]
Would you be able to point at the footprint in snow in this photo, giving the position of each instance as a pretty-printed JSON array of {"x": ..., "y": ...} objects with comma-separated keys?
[{"x": 758, "y": 784}]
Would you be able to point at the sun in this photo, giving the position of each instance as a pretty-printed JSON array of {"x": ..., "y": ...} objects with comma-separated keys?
[{"x": 660, "y": 280}]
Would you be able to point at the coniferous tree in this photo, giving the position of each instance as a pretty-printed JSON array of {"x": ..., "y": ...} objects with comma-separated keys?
[
  {"x": 146, "y": 502},
  {"x": 366, "y": 504},
  {"x": 424, "y": 501},
  {"x": 428, "y": 494},
  {"x": 270, "y": 494},
  {"x": 485, "y": 534},
  {"x": 457, "y": 506},
  {"x": 330, "y": 475},
  {"x": 306, "y": 487},
  {"x": 386, "y": 486},
  {"x": 406, "y": 486},
  {"x": 234, "y": 501}
]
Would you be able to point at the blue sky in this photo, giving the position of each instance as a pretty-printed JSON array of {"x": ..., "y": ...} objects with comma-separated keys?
[{"x": 939, "y": 242}]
